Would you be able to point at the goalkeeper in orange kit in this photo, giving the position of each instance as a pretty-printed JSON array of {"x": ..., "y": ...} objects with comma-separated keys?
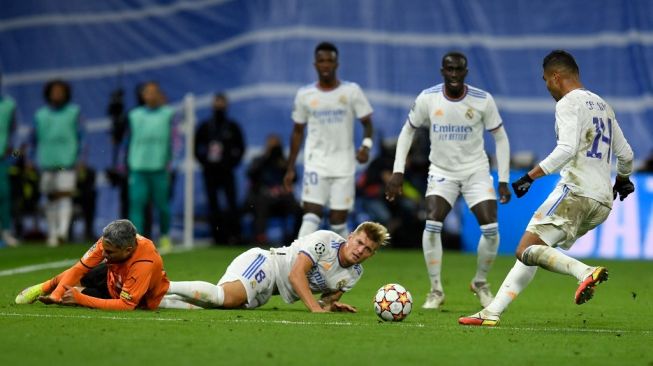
[{"x": 121, "y": 271}]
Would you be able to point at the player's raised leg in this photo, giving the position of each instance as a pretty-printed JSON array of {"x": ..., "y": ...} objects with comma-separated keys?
[{"x": 551, "y": 259}]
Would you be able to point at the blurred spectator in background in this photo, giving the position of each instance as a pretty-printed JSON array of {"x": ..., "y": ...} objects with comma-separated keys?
[
  {"x": 118, "y": 174},
  {"x": 219, "y": 147},
  {"x": 84, "y": 200},
  {"x": 58, "y": 140},
  {"x": 25, "y": 195},
  {"x": 404, "y": 216},
  {"x": 149, "y": 155},
  {"x": 370, "y": 188},
  {"x": 267, "y": 196},
  {"x": 7, "y": 126}
]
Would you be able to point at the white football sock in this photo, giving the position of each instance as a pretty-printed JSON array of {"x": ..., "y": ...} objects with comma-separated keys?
[
  {"x": 340, "y": 229},
  {"x": 432, "y": 246},
  {"x": 198, "y": 291},
  {"x": 310, "y": 223},
  {"x": 515, "y": 282},
  {"x": 176, "y": 302},
  {"x": 555, "y": 261},
  {"x": 488, "y": 245}
]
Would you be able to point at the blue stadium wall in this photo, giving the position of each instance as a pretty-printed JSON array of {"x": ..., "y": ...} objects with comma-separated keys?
[{"x": 260, "y": 52}]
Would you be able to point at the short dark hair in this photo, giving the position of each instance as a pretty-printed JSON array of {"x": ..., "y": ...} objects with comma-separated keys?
[
  {"x": 560, "y": 59},
  {"x": 221, "y": 95},
  {"x": 326, "y": 46},
  {"x": 120, "y": 233},
  {"x": 456, "y": 54},
  {"x": 57, "y": 82}
]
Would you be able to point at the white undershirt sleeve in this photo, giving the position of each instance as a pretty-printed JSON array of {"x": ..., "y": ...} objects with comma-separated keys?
[
  {"x": 567, "y": 131},
  {"x": 557, "y": 158},
  {"x": 503, "y": 153},
  {"x": 403, "y": 147}
]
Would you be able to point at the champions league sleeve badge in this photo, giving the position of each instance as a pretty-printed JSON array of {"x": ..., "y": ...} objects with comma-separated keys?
[{"x": 320, "y": 248}]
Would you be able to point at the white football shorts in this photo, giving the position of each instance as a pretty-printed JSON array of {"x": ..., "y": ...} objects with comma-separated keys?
[
  {"x": 475, "y": 188},
  {"x": 564, "y": 217},
  {"x": 57, "y": 181},
  {"x": 255, "y": 270},
  {"x": 337, "y": 193}
]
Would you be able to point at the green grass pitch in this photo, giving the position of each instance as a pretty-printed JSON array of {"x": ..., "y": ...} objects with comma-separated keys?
[{"x": 542, "y": 327}]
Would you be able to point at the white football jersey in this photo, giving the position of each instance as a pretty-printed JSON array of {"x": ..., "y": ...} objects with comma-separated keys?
[
  {"x": 587, "y": 125},
  {"x": 326, "y": 275},
  {"x": 329, "y": 115},
  {"x": 456, "y": 129}
]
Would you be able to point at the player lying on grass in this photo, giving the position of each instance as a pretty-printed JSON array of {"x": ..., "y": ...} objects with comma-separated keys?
[
  {"x": 588, "y": 137},
  {"x": 121, "y": 271},
  {"x": 321, "y": 262}
]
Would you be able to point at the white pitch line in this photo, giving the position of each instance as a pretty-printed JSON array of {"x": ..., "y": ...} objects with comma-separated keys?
[
  {"x": 38, "y": 267},
  {"x": 262, "y": 321},
  {"x": 61, "y": 316},
  {"x": 331, "y": 323}
]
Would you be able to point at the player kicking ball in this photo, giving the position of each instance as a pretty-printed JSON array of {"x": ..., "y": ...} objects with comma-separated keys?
[
  {"x": 321, "y": 262},
  {"x": 588, "y": 135}
]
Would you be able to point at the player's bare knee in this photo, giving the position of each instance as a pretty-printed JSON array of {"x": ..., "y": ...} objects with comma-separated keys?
[
  {"x": 235, "y": 295},
  {"x": 485, "y": 212}
]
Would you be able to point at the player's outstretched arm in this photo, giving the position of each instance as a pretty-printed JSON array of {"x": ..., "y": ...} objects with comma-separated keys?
[{"x": 299, "y": 282}]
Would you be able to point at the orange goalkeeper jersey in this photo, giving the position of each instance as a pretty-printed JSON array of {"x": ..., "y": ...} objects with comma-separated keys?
[{"x": 138, "y": 282}]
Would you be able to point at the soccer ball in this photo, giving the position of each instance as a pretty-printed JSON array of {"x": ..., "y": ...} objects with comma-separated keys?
[{"x": 393, "y": 302}]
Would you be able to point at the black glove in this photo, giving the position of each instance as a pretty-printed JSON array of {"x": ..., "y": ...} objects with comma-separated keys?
[
  {"x": 522, "y": 185},
  {"x": 622, "y": 186}
]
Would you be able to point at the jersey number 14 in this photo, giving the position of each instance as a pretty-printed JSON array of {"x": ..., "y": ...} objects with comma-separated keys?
[{"x": 604, "y": 135}]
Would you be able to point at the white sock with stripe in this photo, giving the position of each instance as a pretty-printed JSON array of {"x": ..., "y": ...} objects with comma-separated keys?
[
  {"x": 516, "y": 281},
  {"x": 488, "y": 245},
  {"x": 310, "y": 223},
  {"x": 198, "y": 290},
  {"x": 432, "y": 246}
]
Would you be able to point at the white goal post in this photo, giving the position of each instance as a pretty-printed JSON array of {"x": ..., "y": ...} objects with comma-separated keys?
[{"x": 188, "y": 168}]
